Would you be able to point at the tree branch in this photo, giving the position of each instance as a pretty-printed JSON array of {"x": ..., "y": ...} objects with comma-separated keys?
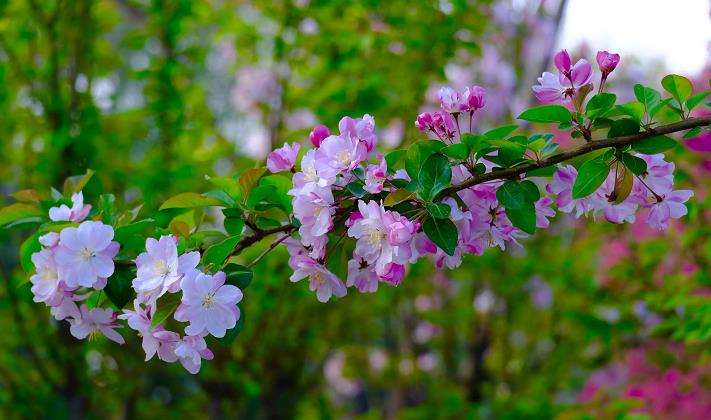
[
  {"x": 259, "y": 235},
  {"x": 584, "y": 149}
]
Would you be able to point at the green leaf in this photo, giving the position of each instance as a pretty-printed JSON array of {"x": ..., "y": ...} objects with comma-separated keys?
[
  {"x": 653, "y": 145},
  {"x": 221, "y": 196},
  {"x": 590, "y": 176},
  {"x": 438, "y": 210},
  {"x": 238, "y": 275},
  {"x": 19, "y": 211},
  {"x": 418, "y": 153},
  {"x": 623, "y": 127},
  {"x": 263, "y": 197},
  {"x": 678, "y": 86},
  {"x": 459, "y": 151},
  {"x": 76, "y": 183},
  {"x": 474, "y": 142},
  {"x": 227, "y": 184},
  {"x": 547, "y": 171},
  {"x": 189, "y": 200},
  {"x": 119, "y": 287},
  {"x": 600, "y": 104},
  {"x": 29, "y": 247},
  {"x": 658, "y": 107},
  {"x": 523, "y": 218},
  {"x": 356, "y": 188},
  {"x": 511, "y": 195},
  {"x": 397, "y": 196},
  {"x": 216, "y": 254},
  {"x": 249, "y": 179},
  {"x": 435, "y": 176},
  {"x": 443, "y": 233},
  {"x": 636, "y": 165},
  {"x": 634, "y": 109},
  {"x": 233, "y": 221},
  {"x": 695, "y": 100},
  {"x": 394, "y": 158},
  {"x": 546, "y": 113},
  {"x": 166, "y": 306},
  {"x": 531, "y": 191},
  {"x": 648, "y": 97},
  {"x": 500, "y": 132},
  {"x": 123, "y": 233},
  {"x": 692, "y": 133}
]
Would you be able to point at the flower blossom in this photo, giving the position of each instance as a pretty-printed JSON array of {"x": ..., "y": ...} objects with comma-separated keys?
[
  {"x": 85, "y": 254},
  {"x": 318, "y": 134},
  {"x": 607, "y": 62},
  {"x": 76, "y": 213},
  {"x": 208, "y": 304},
  {"x": 190, "y": 351},
  {"x": 97, "y": 320},
  {"x": 160, "y": 270},
  {"x": 375, "y": 176},
  {"x": 473, "y": 98},
  {"x": 283, "y": 158}
]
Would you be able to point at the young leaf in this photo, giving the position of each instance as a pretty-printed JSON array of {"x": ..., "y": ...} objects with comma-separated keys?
[
  {"x": 189, "y": 200},
  {"x": 647, "y": 96},
  {"x": 397, "y": 196},
  {"x": 523, "y": 218},
  {"x": 546, "y": 113},
  {"x": 76, "y": 183},
  {"x": 249, "y": 179},
  {"x": 634, "y": 109},
  {"x": 458, "y": 151},
  {"x": 590, "y": 176},
  {"x": 600, "y": 104},
  {"x": 500, "y": 132},
  {"x": 216, "y": 254},
  {"x": 623, "y": 184},
  {"x": 435, "y": 176},
  {"x": 166, "y": 306},
  {"x": 679, "y": 87},
  {"x": 443, "y": 233},
  {"x": 695, "y": 100},
  {"x": 18, "y": 211},
  {"x": 638, "y": 166},
  {"x": 438, "y": 210},
  {"x": 653, "y": 145},
  {"x": 692, "y": 133}
]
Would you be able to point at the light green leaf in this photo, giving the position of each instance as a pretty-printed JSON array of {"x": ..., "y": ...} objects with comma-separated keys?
[
  {"x": 216, "y": 254},
  {"x": 189, "y": 200},
  {"x": 18, "y": 211},
  {"x": 435, "y": 176},
  {"x": 678, "y": 86},
  {"x": 546, "y": 113},
  {"x": 590, "y": 176}
]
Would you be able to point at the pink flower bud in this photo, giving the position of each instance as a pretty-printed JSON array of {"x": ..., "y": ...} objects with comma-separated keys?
[
  {"x": 319, "y": 133},
  {"x": 424, "y": 122},
  {"x": 283, "y": 158},
  {"x": 474, "y": 98},
  {"x": 443, "y": 125},
  {"x": 562, "y": 61},
  {"x": 607, "y": 62}
]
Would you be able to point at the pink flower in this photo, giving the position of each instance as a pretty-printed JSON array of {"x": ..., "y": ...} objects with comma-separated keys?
[
  {"x": 424, "y": 122},
  {"x": 322, "y": 281},
  {"x": 49, "y": 240},
  {"x": 543, "y": 212},
  {"x": 319, "y": 133},
  {"x": 443, "y": 125},
  {"x": 191, "y": 350},
  {"x": 65, "y": 307},
  {"x": 85, "y": 254},
  {"x": 97, "y": 320},
  {"x": 473, "y": 98},
  {"x": 338, "y": 155},
  {"x": 450, "y": 100},
  {"x": 45, "y": 281},
  {"x": 313, "y": 207},
  {"x": 562, "y": 61},
  {"x": 562, "y": 187},
  {"x": 550, "y": 89},
  {"x": 607, "y": 62},
  {"x": 375, "y": 176},
  {"x": 393, "y": 273},
  {"x": 671, "y": 206},
  {"x": 283, "y": 158},
  {"x": 360, "y": 129},
  {"x": 312, "y": 173},
  {"x": 208, "y": 304},
  {"x": 77, "y": 213},
  {"x": 159, "y": 269},
  {"x": 154, "y": 340},
  {"x": 362, "y": 277}
]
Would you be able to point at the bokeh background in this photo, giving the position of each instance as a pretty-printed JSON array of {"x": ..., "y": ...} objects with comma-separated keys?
[{"x": 588, "y": 319}]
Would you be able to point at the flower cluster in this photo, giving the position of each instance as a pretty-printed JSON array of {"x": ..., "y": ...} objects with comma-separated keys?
[{"x": 79, "y": 260}]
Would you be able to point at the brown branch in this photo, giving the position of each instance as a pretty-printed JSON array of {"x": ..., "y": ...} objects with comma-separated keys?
[
  {"x": 259, "y": 235},
  {"x": 582, "y": 150}
]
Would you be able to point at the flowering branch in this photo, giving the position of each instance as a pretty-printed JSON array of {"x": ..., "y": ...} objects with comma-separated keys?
[{"x": 586, "y": 148}]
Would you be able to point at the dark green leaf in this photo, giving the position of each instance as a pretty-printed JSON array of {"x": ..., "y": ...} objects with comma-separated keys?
[
  {"x": 590, "y": 176},
  {"x": 394, "y": 159},
  {"x": 443, "y": 233},
  {"x": 600, "y": 104},
  {"x": 356, "y": 188},
  {"x": 435, "y": 176},
  {"x": 500, "y": 132},
  {"x": 238, "y": 275},
  {"x": 232, "y": 334},
  {"x": 418, "y": 153},
  {"x": 118, "y": 287},
  {"x": 636, "y": 165},
  {"x": 166, "y": 306},
  {"x": 692, "y": 133},
  {"x": 216, "y": 254},
  {"x": 511, "y": 195},
  {"x": 523, "y": 218},
  {"x": 531, "y": 191},
  {"x": 475, "y": 142},
  {"x": 653, "y": 145},
  {"x": 623, "y": 127},
  {"x": 438, "y": 210},
  {"x": 546, "y": 113},
  {"x": 459, "y": 151}
]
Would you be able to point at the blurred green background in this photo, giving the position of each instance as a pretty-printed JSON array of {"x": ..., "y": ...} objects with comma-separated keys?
[{"x": 154, "y": 95}]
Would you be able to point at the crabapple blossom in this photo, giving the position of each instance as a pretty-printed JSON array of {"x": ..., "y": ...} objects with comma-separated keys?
[
  {"x": 443, "y": 125},
  {"x": 337, "y": 155},
  {"x": 208, "y": 304},
  {"x": 321, "y": 280},
  {"x": 190, "y": 351},
  {"x": 49, "y": 240},
  {"x": 450, "y": 100},
  {"x": 45, "y": 282},
  {"x": 92, "y": 321},
  {"x": 283, "y": 158},
  {"x": 360, "y": 129},
  {"x": 607, "y": 62},
  {"x": 549, "y": 89},
  {"x": 670, "y": 205},
  {"x": 85, "y": 254},
  {"x": 76, "y": 213},
  {"x": 362, "y": 277},
  {"x": 562, "y": 61},
  {"x": 375, "y": 176},
  {"x": 159, "y": 269},
  {"x": 424, "y": 122},
  {"x": 473, "y": 98},
  {"x": 318, "y": 134}
]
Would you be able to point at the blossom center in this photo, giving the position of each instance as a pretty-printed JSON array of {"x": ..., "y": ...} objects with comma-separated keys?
[
  {"x": 49, "y": 275},
  {"x": 208, "y": 300},
  {"x": 161, "y": 268},
  {"x": 87, "y": 253},
  {"x": 343, "y": 157},
  {"x": 374, "y": 236}
]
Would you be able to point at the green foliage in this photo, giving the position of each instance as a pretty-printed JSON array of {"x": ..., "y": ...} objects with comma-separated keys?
[
  {"x": 546, "y": 114},
  {"x": 590, "y": 176},
  {"x": 652, "y": 145},
  {"x": 442, "y": 232},
  {"x": 435, "y": 175}
]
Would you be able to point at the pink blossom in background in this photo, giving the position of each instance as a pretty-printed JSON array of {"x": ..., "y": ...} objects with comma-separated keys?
[
  {"x": 76, "y": 213},
  {"x": 283, "y": 158}
]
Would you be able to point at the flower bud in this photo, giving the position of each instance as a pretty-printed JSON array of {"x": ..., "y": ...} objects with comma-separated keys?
[
  {"x": 607, "y": 62},
  {"x": 424, "y": 122},
  {"x": 562, "y": 61},
  {"x": 319, "y": 133},
  {"x": 474, "y": 98}
]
